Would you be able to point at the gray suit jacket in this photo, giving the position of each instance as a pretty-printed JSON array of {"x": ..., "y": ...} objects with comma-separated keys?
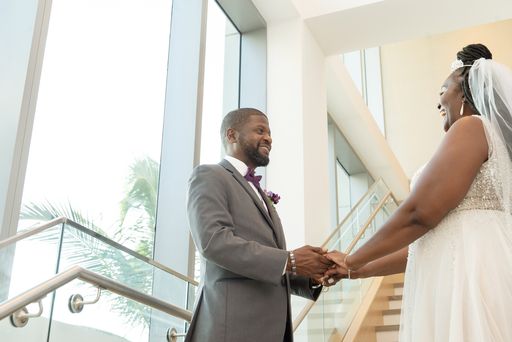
[{"x": 243, "y": 296}]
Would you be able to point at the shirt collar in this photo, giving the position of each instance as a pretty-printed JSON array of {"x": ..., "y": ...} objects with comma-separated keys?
[{"x": 237, "y": 164}]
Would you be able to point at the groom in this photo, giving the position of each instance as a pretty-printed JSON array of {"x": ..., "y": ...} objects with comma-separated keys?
[{"x": 247, "y": 274}]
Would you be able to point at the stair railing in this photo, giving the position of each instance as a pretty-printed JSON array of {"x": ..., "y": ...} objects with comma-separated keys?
[{"x": 388, "y": 195}]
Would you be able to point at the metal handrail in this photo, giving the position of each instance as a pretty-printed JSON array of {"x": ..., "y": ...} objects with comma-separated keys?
[
  {"x": 354, "y": 208},
  {"x": 382, "y": 202},
  {"x": 367, "y": 223},
  {"x": 64, "y": 220},
  {"x": 76, "y": 272}
]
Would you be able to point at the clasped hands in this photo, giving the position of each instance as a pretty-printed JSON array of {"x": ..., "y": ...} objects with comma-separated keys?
[{"x": 326, "y": 268}]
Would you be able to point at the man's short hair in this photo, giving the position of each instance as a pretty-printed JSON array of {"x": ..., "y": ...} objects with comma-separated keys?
[{"x": 236, "y": 119}]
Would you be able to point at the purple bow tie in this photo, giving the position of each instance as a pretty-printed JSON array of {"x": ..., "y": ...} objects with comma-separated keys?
[{"x": 251, "y": 177}]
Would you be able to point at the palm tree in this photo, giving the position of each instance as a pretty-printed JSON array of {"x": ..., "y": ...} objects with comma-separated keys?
[
  {"x": 140, "y": 201},
  {"x": 136, "y": 227}
]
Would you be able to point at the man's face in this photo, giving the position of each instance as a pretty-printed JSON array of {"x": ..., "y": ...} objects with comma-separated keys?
[{"x": 255, "y": 142}]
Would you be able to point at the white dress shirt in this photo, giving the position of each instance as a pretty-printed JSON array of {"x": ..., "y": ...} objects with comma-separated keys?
[{"x": 242, "y": 169}]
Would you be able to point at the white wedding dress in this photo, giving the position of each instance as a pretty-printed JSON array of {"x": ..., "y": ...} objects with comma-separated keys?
[{"x": 458, "y": 281}]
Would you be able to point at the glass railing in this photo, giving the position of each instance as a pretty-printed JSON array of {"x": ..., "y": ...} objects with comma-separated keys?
[
  {"x": 330, "y": 316},
  {"x": 32, "y": 257},
  {"x": 89, "y": 307}
]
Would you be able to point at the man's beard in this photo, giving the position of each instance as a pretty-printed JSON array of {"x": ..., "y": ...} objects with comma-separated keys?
[{"x": 254, "y": 155}]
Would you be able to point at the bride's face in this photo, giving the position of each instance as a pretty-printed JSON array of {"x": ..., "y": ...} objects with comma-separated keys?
[{"x": 450, "y": 100}]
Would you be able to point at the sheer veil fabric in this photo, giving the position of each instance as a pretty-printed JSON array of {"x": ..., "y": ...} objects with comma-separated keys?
[
  {"x": 491, "y": 87},
  {"x": 458, "y": 282}
]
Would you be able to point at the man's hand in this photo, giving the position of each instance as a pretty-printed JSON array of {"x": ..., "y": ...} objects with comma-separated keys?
[{"x": 311, "y": 262}]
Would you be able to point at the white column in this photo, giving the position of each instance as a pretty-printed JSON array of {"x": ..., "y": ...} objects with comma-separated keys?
[{"x": 296, "y": 105}]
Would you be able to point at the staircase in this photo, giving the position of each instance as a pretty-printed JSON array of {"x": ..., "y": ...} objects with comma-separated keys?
[
  {"x": 354, "y": 310},
  {"x": 388, "y": 330}
]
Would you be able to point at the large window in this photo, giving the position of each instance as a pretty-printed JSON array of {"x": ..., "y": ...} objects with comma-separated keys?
[
  {"x": 96, "y": 141},
  {"x": 95, "y": 149},
  {"x": 221, "y": 79},
  {"x": 221, "y": 86},
  {"x": 364, "y": 69},
  {"x": 350, "y": 178}
]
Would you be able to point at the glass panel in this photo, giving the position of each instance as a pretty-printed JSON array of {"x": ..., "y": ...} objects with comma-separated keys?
[
  {"x": 365, "y": 70},
  {"x": 344, "y": 193},
  {"x": 374, "y": 86},
  {"x": 352, "y": 61},
  {"x": 100, "y": 111},
  {"x": 58, "y": 251},
  {"x": 29, "y": 262},
  {"x": 221, "y": 79},
  {"x": 353, "y": 222},
  {"x": 36, "y": 330},
  {"x": 334, "y": 311},
  {"x": 112, "y": 318},
  {"x": 21, "y": 271},
  {"x": 221, "y": 87},
  {"x": 80, "y": 248}
]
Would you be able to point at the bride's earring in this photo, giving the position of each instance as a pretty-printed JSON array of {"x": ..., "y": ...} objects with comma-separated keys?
[{"x": 462, "y": 108}]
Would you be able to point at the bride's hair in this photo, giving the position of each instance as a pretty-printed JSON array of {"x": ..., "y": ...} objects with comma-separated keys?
[{"x": 468, "y": 55}]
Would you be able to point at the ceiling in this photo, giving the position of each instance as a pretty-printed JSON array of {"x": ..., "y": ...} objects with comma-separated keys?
[{"x": 347, "y": 25}]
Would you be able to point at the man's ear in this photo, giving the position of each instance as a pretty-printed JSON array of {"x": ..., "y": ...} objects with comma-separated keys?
[{"x": 232, "y": 135}]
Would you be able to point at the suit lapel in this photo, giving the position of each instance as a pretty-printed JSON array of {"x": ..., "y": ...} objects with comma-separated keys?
[
  {"x": 245, "y": 185},
  {"x": 278, "y": 229}
]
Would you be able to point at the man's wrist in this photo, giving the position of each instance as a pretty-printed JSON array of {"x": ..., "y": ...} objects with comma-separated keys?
[{"x": 292, "y": 262}]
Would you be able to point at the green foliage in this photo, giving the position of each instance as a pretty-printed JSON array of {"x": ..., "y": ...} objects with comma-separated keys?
[
  {"x": 140, "y": 201},
  {"x": 135, "y": 228}
]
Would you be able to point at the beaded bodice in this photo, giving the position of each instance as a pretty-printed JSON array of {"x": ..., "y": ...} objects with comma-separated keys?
[
  {"x": 492, "y": 183},
  {"x": 482, "y": 193}
]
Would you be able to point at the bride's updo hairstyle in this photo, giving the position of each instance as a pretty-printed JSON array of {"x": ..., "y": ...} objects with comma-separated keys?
[{"x": 468, "y": 55}]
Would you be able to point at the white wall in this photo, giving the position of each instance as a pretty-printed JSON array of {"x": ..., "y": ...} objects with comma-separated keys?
[{"x": 412, "y": 75}]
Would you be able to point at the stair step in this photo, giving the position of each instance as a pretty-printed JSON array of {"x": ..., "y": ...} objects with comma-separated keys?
[
  {"x": 389, "y": 327},
  {"x": 398, "y": 288},
  {"x": 387, "y": 333},
  {"x": 392, "y": 312},
  {"x": 391, "y": 316},
  {"x": 395, "y": 302}
]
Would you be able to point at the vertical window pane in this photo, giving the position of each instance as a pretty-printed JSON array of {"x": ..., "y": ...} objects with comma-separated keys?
[
  {"x": 221, "y": 86},
  {"x": 95, "y": 148},
  {"x": 374, "y": 86},
  {"x": 352, "y": 61},
  {"x": 343, "y": 185},
  {"x": 221, "y": 79}
]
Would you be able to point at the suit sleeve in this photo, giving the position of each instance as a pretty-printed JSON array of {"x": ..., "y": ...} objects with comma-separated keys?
[
  {"x": 212, "y": 228},
  {"x": 301, "y": 286}
]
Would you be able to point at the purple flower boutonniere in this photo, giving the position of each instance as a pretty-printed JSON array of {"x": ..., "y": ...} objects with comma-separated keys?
[{"x": 272, "y": 196}]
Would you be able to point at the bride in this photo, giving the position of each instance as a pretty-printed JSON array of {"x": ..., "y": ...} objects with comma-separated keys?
[{"x": 453, "y": 234}]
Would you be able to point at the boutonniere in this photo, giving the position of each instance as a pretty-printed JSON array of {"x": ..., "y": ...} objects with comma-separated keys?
[{"x": 272, "y": 196}]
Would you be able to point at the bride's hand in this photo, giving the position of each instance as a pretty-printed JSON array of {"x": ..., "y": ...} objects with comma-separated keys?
[
  {"x": 337, "y": 257},
  {"x": 340, "y": 270}
]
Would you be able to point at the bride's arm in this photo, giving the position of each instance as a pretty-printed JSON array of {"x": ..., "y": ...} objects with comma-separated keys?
[
  {"x": 440, "y": 188},
  {"x": 390, "y": 264}
]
